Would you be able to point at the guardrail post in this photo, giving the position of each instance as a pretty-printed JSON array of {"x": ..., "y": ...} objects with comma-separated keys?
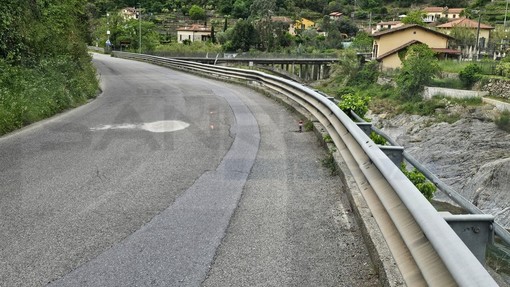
[
  {"x": 475, "y": 230},
  {"x": 395, "y": 153}
]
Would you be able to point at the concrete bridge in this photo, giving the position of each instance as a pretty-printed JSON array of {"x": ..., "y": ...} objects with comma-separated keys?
[{"x": 307, "y": 69}]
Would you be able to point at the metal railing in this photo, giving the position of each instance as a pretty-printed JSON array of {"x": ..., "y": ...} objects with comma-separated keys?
[
  {"x": 450, "y": 192},
  {"x": 426, "y": 249}
]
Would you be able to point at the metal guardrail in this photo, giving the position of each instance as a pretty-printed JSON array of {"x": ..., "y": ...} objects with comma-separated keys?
[
  {"x": 426, "y": 249},
  {"x": 450, "y": 192}
]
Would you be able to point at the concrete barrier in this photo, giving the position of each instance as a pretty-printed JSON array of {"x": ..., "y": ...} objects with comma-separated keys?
[{"x": 430, "y": 92}]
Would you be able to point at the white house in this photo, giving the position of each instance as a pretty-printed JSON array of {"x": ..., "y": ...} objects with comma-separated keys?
[{"x": 194, "y": 33}]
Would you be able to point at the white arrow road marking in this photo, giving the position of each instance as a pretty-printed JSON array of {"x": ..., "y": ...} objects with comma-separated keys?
[{"x": 155, "y": 127}]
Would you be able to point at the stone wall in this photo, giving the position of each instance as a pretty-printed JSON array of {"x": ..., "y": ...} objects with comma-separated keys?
[
  {"x": 498, "y": 88},
  {"x": 429, "y": 92}
]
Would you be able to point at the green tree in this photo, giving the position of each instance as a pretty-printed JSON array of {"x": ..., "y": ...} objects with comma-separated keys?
[
  {"x": 244, "y": 36},
  {"x": 419, "y": 66},
  {"x": 241, "y": 9},
  {"x": 263, "y": 8},
  {"x": 197, "y": 13},
  {"x": 414, "y": 17},
  {"x": 126, "y": 32},
  {"x": 362, "y": 42},
  {"x": 463, "y": 36}
]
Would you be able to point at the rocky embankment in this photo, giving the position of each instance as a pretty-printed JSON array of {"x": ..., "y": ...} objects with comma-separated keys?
[{"x": 471, "y": 155}]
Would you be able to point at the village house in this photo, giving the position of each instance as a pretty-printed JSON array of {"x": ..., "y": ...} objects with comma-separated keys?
[
  {"x": 286, "y": 21},
  {"x": 129, "y": 13},
  {"x": 193, "y": 33},
  {"x": 303, "y": 24},
  {"x": 386, "y": 26},
  {"x": 388, "y": 43},
  {"x": 485, "y": 30},
  {"x": 335, "y": 16},
  {"x": 432, "y": 14}
]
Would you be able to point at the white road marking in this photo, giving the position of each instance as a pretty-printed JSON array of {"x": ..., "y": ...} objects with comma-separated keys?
[{"x": 155, "y": 127}]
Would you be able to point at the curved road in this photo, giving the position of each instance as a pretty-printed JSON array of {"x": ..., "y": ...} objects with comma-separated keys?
[{"x": 168, "y": 179}]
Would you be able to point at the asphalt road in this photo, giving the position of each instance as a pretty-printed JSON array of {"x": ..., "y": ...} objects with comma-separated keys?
[{"x": 168, "y": 179}]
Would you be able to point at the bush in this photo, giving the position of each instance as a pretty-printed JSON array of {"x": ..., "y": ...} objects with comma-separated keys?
[
  {"x": 470, "y": 75},
  {"x": 327, "y": 138},
  {"x": 377, "y": 138},
  {"x": 426, "y": 187},
  {"x": 503, "y": 121},
  {"x": 28, "y": 95},
  {"x": 357, "y": 103},
  {"x": 423, "y": 108},
  {"x": 503, "y": 69}
]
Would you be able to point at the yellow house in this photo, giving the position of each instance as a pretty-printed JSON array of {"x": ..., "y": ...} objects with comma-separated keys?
[
  {"x": 432, "y": 14},
  {"x": 388, "y": 43},
  {"x": 303, "y": 24},
  {"x": 485, "y": 30}
]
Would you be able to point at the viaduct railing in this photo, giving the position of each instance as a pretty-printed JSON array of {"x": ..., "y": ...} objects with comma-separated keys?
[
  {"x": 426, "y": 250},
  {"x": 305, "y": 68}
]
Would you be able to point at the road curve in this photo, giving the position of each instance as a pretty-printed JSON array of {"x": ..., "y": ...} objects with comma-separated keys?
[{"x": 168, "y": 179}]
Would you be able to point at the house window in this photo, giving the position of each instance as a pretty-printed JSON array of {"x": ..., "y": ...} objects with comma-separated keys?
[
  {"x": 374, "y": 52},
  {"x": 180, "y": 38}
]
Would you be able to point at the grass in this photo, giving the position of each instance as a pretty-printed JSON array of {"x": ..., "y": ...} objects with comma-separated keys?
[
  {"x": 451, "y": 83},
  {"x": 28, "y": 95},
  {"x": 452, "y": 66},
  {"x": 308, "y": 126},
  {"x": 330, "y": 163},
  {"x": 499, "y": 99}
]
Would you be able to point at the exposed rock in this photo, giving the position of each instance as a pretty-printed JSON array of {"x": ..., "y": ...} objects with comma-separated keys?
[{"x": 471, "y": 155}]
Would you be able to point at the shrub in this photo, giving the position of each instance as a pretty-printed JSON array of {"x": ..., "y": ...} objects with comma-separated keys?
[
  {"x": 426, "y": 187},
  {"x": 503, "y": 69},
  {"x": 330, "y": 163},
  {"x": 377, "y": 138},
  {"x": 327, "y": 138},
  {"x": 470, "y": 75},
  {"x": 357, "y": 103},
  {"x": 308, "y": 126}
]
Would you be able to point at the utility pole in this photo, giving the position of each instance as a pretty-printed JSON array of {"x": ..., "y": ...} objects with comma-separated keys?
[
  {"x": 506, "y": 11},
  {"x": 478, "y": 35},
  {"x": 139, "y": 28},
  {"x": 505, "y": 42}
]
